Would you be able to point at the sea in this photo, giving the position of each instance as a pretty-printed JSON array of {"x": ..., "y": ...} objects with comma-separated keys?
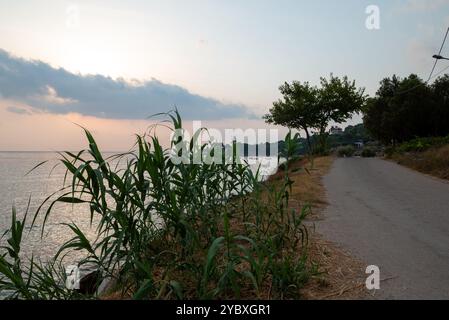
[
  {"x": 25, "y": 191},
  {"x": 22, "y": 189}
]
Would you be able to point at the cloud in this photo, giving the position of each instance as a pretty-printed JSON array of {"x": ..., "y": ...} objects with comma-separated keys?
[
  {"x": 18, "y": 110},
  {"x": 58, "y": 91},
  {"x": 51, "y": 96}
]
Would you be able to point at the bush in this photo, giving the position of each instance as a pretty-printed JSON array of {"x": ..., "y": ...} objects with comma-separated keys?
[
  {"x": 434, "y": 161},
  {"x": 346, "y": 151},
  {"x": 283, "y": 166},
  {"x": 321, "y": 151},
  {"x": 368, "y": 152},
  {"x": 389, "y": 151},
  {"x": 422, "y": 144}
]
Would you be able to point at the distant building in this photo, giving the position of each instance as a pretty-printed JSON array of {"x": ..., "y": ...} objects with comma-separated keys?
[
  {"x": 359, "y": 144},
  {"x": 336, "y": 130}
]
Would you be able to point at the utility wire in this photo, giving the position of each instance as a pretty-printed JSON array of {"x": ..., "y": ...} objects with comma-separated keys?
[
  {"x": 440, "y": 72},
  {"x": 439, "y": 53},
  {"x": 433, "y": 69},
  {"x": 432, "y": 76}
]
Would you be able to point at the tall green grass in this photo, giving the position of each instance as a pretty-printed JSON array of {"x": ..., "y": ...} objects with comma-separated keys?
[{"x": 170, "y": 231}]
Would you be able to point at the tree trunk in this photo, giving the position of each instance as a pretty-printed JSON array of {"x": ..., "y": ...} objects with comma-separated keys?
[
  {"x": 309, "y": 145},
  {"x": 323, "y": 138}
]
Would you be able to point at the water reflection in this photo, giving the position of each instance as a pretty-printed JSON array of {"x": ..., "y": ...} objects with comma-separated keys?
[{"x": 16, "y": 188}]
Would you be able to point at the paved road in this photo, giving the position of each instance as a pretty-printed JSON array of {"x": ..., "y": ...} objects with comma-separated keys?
[{"x": 395, "y": 218}]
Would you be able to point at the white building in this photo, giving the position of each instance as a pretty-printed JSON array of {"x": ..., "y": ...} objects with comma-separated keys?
[{"x": 336, "y": 130}]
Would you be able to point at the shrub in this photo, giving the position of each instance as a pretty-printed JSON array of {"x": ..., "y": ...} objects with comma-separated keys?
[
  {"x": 422, "y": 144},
  {"x": 346, "y": 151},
  {"x": 283, "y": 166},
  {"x": 434, "y": 161},
  {"x": 368, "y": 152},
  {"x": 320, "y": 150},
  {"x": 389, "y": 151}
]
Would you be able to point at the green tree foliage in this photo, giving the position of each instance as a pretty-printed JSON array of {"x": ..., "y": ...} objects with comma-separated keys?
[
  {"x": 440, "y": 118},
  {"x": 297, "y": 108},
  {"x": 309, "y": 107},
  {"x": 338, "y": 100},
  {"x": 350, "y": 135},
  {"x": 407, "y": 108}
]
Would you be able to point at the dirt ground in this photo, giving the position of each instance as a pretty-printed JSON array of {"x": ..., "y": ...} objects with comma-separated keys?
[{"x": 343, "y": 276}]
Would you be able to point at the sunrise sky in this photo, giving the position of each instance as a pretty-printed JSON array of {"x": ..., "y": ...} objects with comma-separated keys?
[{"x": 107, "y": 65}]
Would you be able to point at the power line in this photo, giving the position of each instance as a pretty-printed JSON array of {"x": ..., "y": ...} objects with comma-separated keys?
[
  {"x": 433, "y": 68},
  {"x": 424, "y": 83},
  {"x": 440, "y": 72},
  {"x": 439, "y": 54}
]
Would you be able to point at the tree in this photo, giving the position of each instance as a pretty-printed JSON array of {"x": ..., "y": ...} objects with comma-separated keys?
[
  {"x": 297, "y": 108},
  {"x": 440, "y": 114},
  {"x": 376, "y": 117},
  {"x": 407, "y": 108},
  {"x": 350, "y": 135},
  {"x": 308, "y": 107},
  {"x": 338, "y": 100}
]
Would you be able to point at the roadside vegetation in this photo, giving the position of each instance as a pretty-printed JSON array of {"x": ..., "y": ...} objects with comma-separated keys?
[
  {"x": 170, "y": 231},
  {"x": 341, "y": 276},
  {"x": 427, "y": 155},
  {"x": 368, "y": 152},
  {"x": 346, "y": 151},
  {"x": 408, "y": 108},
  {"x": 411, "y": 118}
]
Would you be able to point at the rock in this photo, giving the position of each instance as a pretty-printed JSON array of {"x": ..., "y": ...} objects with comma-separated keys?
[
  {"x": 84, "y": 279},
  {"x": 89, "y": 281}
]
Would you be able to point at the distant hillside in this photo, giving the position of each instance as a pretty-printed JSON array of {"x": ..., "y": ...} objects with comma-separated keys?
[{"x": 350, "y": 135}]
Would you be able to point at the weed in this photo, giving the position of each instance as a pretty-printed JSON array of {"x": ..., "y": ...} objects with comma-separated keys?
[{"x": 171, "y": 231}]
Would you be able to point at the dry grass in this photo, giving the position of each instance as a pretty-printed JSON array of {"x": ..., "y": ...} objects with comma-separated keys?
[
  {"x": 308, "y": 186},
  {"x": 342, "y": 275},
  {"x": 434, "y": 161}
]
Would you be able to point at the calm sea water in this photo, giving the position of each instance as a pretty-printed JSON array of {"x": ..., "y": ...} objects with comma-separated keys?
[{"x": 16, "y": 188}]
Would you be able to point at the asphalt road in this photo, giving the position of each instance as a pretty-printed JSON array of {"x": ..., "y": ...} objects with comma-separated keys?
[{"x": 392, "y": 217}]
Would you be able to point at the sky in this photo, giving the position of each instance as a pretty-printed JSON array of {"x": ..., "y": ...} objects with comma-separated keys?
[{"x": 108, "y": 65}]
